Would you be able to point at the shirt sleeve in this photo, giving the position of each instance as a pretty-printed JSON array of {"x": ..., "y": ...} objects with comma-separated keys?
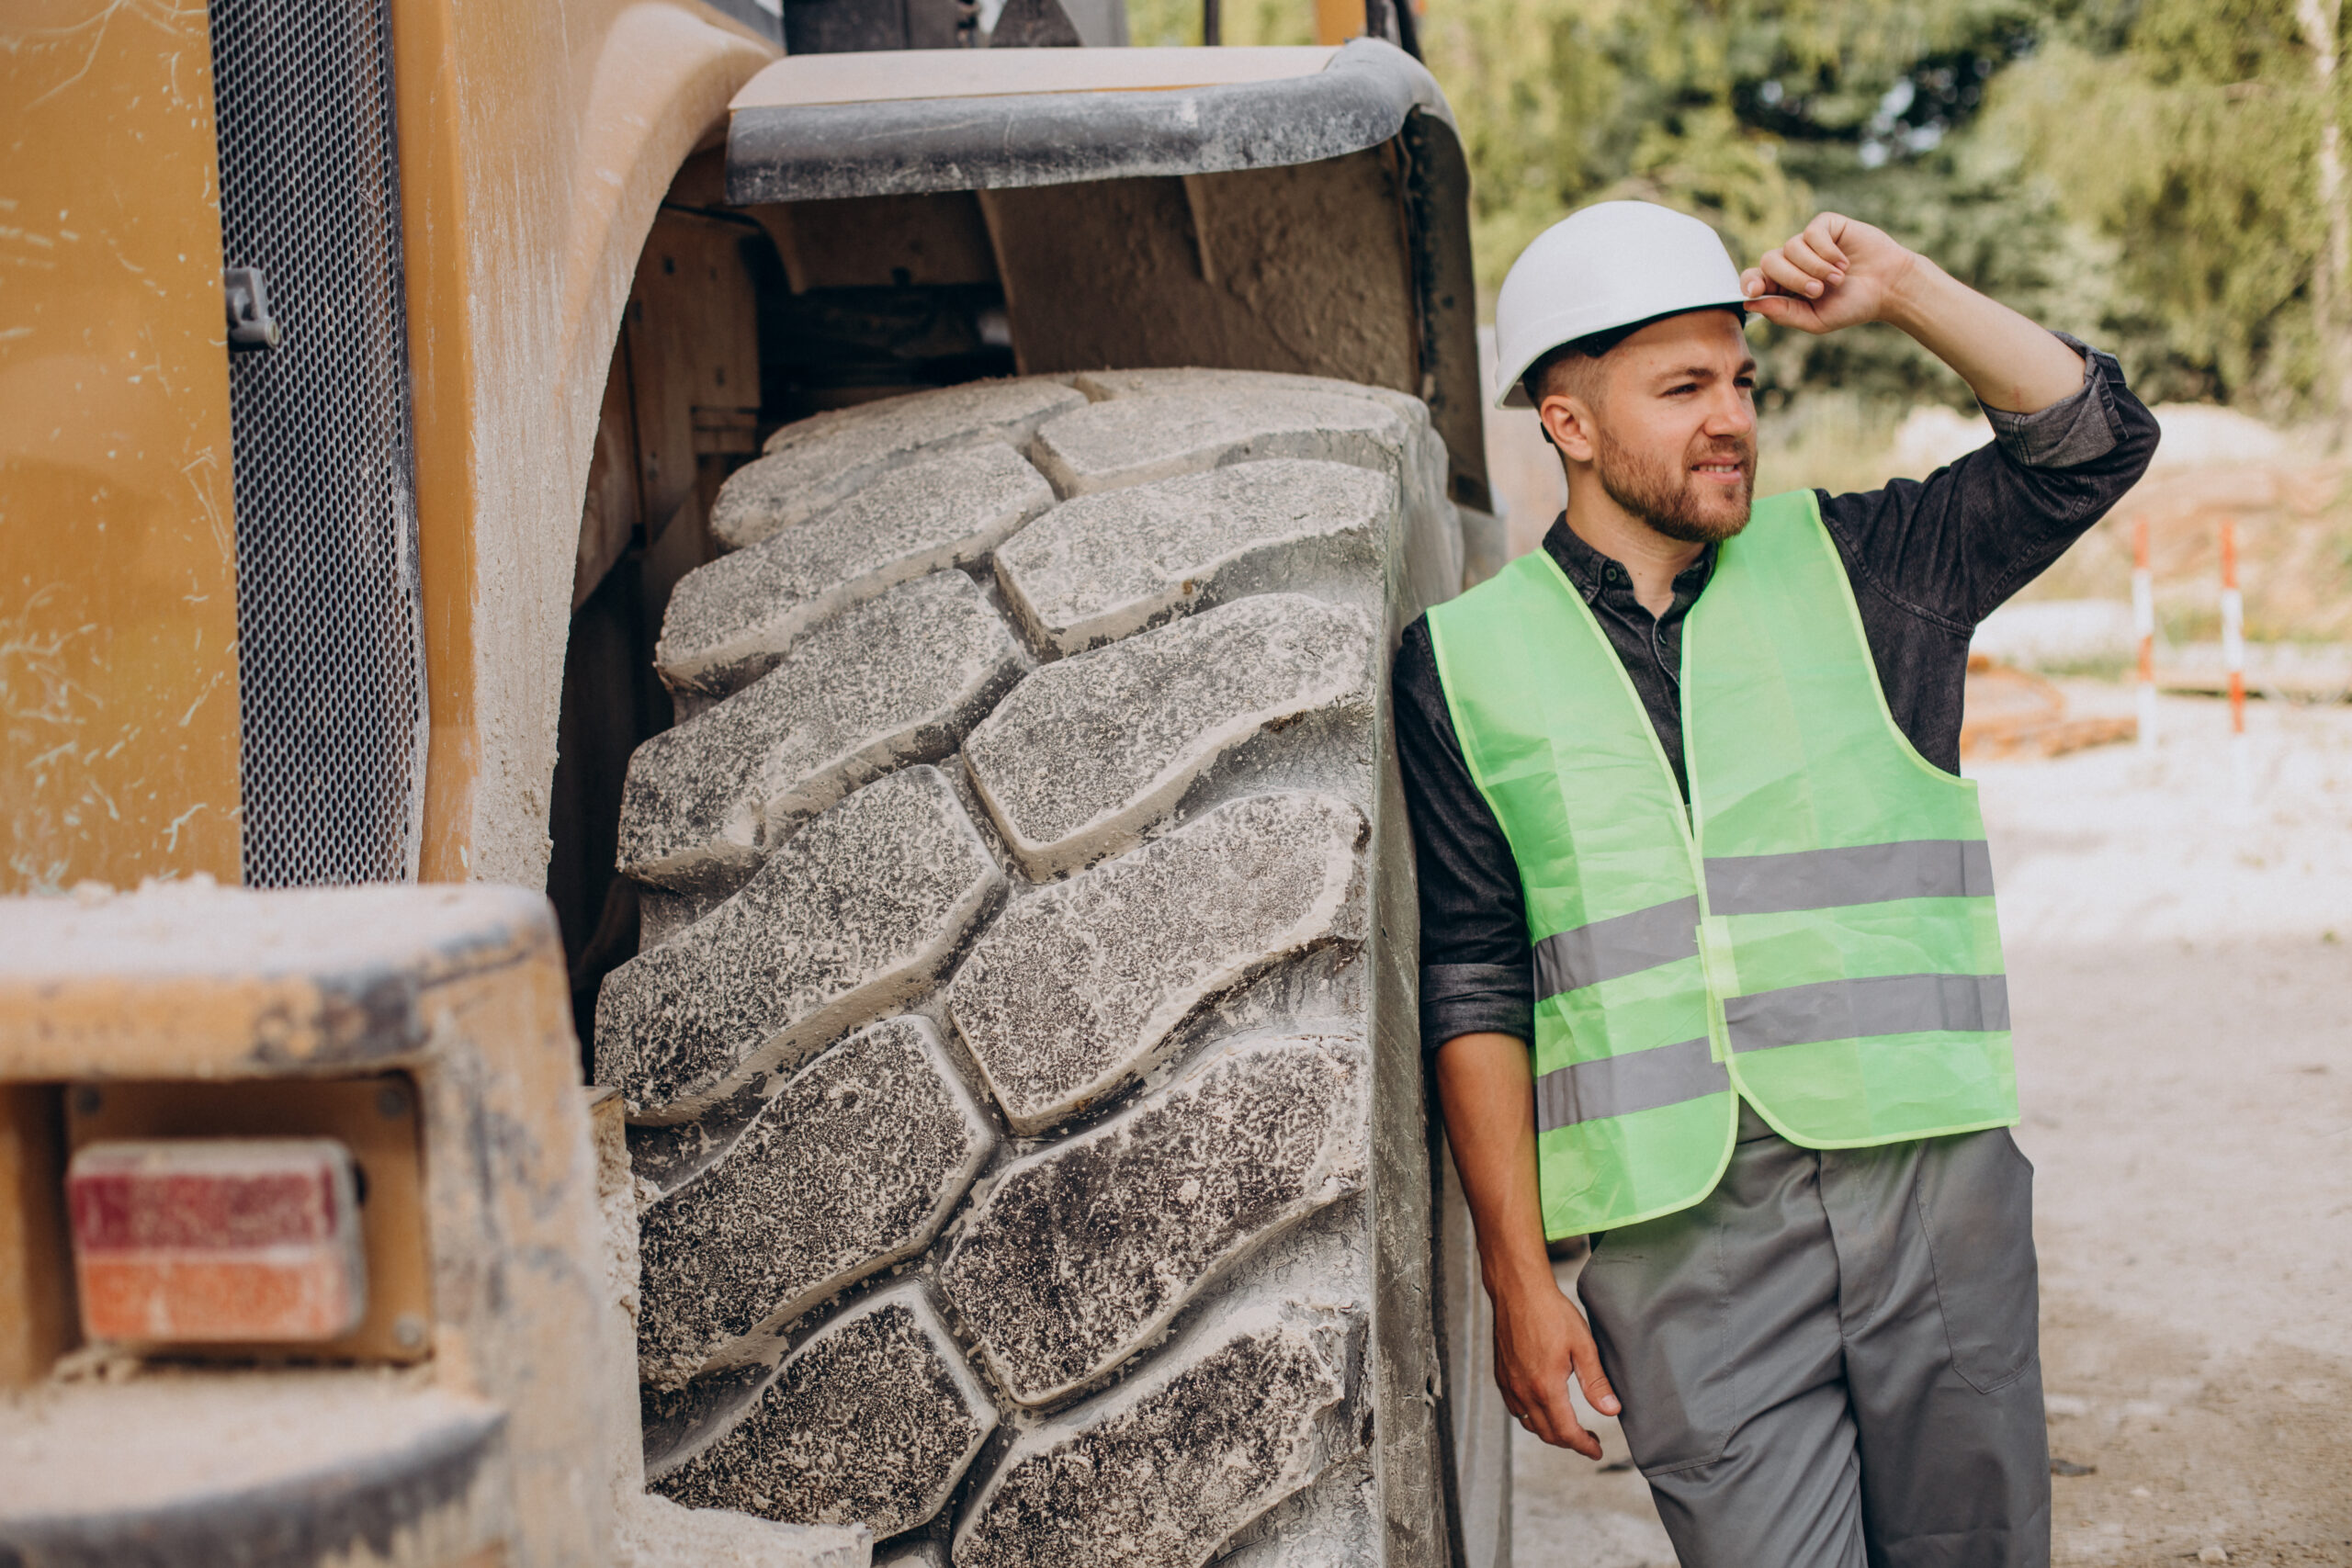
[
  {"x": 1476, "y": 975},
  {"x": 1952, "y": 547}
]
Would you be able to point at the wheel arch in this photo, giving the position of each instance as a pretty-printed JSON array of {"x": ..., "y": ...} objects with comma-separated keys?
[{"x": 530, "y": 193}]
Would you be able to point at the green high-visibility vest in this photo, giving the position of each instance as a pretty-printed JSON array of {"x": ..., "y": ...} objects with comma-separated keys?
[{"x": 1815, "y": 935}]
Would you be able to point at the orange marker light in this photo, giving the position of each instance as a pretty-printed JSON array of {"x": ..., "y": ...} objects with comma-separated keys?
[
  {"x": 2234, "y": 655},
  {"x": 2143, "y": 624},
  {"x": 225, "y": 1240}
]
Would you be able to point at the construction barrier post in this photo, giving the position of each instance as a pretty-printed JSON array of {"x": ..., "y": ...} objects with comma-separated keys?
[
  {"x": 2143, "y": 624},
  {"x": 2234, "y": 658}
]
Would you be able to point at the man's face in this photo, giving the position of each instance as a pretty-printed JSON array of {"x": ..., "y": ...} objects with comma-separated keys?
[{"x": 1670, "y": 425}]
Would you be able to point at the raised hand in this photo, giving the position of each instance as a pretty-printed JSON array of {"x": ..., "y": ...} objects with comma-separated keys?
[{"x": 1839, "y": 272}]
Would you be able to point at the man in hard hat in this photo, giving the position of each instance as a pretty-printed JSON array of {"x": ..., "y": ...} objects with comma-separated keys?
[{"x": 1709, "y": 958}]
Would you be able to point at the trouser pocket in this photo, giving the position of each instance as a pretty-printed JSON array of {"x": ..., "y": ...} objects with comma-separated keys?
[
  {"x": 1653, "y": 1295},
  {"x": 1975, "y": 1198}
]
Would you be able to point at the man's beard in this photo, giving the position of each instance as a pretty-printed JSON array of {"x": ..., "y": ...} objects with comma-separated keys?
[{"x": 1665, "y": 495}]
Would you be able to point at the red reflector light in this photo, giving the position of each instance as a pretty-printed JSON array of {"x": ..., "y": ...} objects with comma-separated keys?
[{"x": 216, "y": 1241}]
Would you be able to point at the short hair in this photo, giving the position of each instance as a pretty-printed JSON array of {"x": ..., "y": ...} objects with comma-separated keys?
[{"x": 1560, "y": 369}]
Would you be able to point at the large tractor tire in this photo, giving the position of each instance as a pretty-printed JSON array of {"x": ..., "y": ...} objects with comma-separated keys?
[{"x": 1027, "y": 1120}]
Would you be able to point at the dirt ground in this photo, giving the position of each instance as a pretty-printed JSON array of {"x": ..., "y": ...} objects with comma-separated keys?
[{"x": 2181, "y": 973}]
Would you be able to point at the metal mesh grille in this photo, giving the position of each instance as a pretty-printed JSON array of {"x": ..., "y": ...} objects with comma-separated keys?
[{"x": 329, "y": 634}]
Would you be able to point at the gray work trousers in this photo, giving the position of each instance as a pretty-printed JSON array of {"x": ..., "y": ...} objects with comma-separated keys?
[{"x": 1832, "y": 1361}]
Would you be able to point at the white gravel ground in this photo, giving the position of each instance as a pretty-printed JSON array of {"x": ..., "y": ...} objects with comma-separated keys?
[{"x": 2181, "y": 978}]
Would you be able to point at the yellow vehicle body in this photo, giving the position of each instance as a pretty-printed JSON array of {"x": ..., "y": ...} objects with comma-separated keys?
[
  {"x": 530, "y": 192},
  {"x": 117, "y": 555},
  {"x": 581, "y": 349},
  {"x": 533, "y": 157}
]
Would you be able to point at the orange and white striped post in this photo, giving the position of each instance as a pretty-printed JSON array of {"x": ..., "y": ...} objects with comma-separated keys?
[
  {"x": 2144, "y": 624},
  {"x": 2234, "y": 658}
]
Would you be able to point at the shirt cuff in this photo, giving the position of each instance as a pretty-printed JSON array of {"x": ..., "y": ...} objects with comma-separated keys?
[
  {"x": 1476, "y": 999},
  {"x": 2077, "y": 429}
]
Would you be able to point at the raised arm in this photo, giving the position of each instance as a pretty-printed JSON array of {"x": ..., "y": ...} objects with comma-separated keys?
[
  {"x": 2069, "y": 440},
  {"x": 1841, "y": 272}
]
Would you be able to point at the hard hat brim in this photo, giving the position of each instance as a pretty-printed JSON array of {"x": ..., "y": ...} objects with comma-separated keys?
[{"x": 1511, "y": 392}]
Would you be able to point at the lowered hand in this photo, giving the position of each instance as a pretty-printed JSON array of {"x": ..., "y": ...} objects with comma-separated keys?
[
  {"x": 1541, "y": 1341},
  {"x": 1485, "y": 1083}
]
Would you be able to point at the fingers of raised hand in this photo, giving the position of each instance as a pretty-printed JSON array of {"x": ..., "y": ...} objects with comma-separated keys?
[
  {"x": 1809, "y": 259},
  {"x": 1782, "y": 272},
  {"x": 1787, "y": 310},
  {"x": 1826, "y": 236}
]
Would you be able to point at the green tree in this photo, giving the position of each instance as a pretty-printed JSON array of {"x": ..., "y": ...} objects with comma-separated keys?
[
  {"x": 2192, "y": 150},
  {"x": 2158, "y": 175},
  {"x": 1166, "y": 23},
  {"x": 1752, "y": 114}
]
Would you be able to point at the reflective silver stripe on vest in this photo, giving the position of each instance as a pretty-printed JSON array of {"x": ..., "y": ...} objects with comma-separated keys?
[
  {"x": 1857, "y": 1009},
  {"x": 1868, "y": 874},
  {"x": 1617, "y": 1086},
  {"x": 1622, "y": 944}
]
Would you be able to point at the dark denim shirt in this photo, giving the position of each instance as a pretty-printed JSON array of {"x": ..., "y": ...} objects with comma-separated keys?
[{"x": 1928, "y": 559}]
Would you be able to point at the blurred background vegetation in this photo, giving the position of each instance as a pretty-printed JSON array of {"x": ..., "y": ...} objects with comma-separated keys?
[
  {"x": 2146, "y": 174},
  {"x": 2162, "y": 179}
]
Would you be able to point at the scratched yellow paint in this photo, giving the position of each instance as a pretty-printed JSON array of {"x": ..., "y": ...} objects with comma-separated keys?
[{"x": 117, "y": 559}]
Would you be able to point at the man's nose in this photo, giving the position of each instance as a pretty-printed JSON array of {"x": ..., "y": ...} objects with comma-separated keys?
[{"x": 1730, "y": 413}]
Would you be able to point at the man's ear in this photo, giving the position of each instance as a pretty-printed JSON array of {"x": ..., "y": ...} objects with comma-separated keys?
[{"x": 1568, "y": 423}]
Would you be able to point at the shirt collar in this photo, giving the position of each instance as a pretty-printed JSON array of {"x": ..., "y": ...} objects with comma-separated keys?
[{"x": 1594, "y": 574}]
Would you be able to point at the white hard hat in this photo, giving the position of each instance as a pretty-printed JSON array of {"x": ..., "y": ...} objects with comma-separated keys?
[{"x": 1611, "y": 265}]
